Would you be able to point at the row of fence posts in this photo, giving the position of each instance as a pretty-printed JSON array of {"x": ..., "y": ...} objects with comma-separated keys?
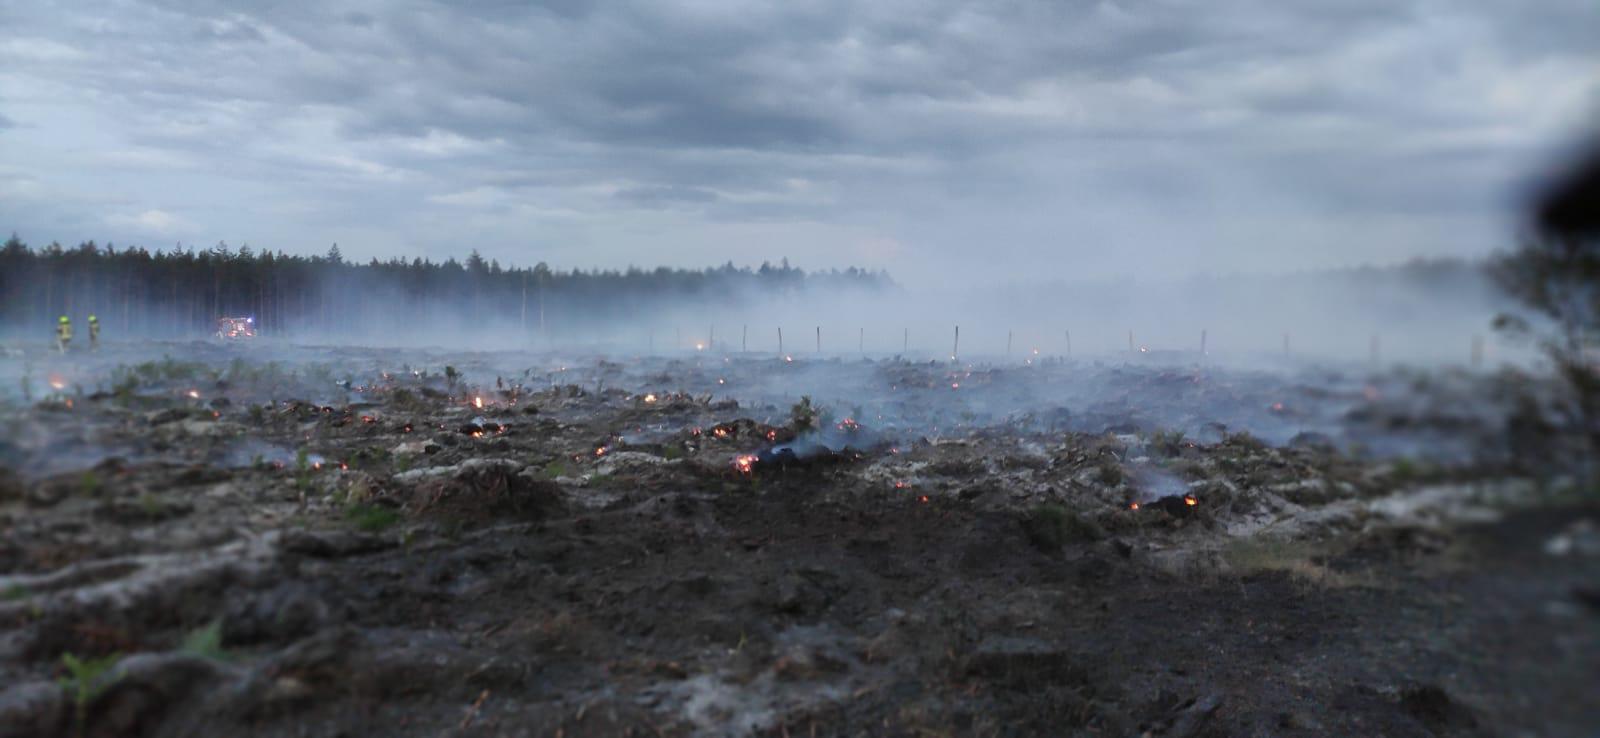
[{"x": 1374, "y": 345}]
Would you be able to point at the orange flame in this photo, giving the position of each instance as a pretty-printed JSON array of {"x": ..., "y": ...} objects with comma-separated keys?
[
  {"x": 744, "y": 463},
  {"x": 1190, "y": 500}
]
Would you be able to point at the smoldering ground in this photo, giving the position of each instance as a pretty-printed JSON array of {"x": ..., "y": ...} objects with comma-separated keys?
[{"x": 260, "y": 538}]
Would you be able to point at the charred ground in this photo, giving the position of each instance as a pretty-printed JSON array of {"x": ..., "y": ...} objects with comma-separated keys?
[{"x": 342, "y": 543}]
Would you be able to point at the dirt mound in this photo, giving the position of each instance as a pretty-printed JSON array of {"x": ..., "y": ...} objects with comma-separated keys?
[{"x": 482, "y": 490}]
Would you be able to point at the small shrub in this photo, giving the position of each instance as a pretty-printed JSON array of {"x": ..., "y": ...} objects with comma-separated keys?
[
  {"x": 1050, "y": 526},
  {"x": 89, "y": 483},
  {"x": 371, "y": 518},
  {"x": 804, "y": 416},
  {"x": 81, "y": 682},
  {"x": 205, "y": 642}
]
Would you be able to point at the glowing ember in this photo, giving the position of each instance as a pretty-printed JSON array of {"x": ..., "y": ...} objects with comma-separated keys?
[
  {"x": 600, "y": 451},
  {"x": 900, "y": 484},
  {"x": 1134, "y": 506},
  {"x": 57, "y": 383},
  {"x": 955, "y": 385},
  {"x": 772, "y": 435},
  {"x": 923, "y": 499},
  {"x": 719, "y": 432},
  {"x": 193, "y": 394},
  {"x": 849, "y": 424},
  {"x": 744, "y": 463},
  {"x": 650, "y": 398},
  {"x": 477, "y": 402},
  {"x": 1190, "y": 500}
]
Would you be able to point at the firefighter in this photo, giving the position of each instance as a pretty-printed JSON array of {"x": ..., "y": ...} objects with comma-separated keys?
[
  {"x": 94, "y": 333},
  {"x": 63, "y": 333}
]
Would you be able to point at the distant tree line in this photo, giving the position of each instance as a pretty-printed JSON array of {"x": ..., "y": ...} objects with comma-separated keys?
[{"x": 183, "y": 291}]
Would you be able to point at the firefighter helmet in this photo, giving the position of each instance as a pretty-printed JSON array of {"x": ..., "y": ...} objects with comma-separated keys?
[
  {"x": 64, "y": 319},
  {"x": 93, "y": 319}
]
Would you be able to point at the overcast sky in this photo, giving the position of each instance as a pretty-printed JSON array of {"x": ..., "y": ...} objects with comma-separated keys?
[{"x": 944, "y": 141}]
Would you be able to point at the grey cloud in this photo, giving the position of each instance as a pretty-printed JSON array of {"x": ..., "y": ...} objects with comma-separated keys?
[
  {"x": 930, "y": 123},
  {"x": 657, "y": 197}
]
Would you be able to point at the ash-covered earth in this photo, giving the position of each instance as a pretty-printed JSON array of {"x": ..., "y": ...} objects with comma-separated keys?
[{"x": 206, "y": 540}]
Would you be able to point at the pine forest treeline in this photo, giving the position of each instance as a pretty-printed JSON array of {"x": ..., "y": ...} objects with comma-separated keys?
[{"x": 181, "y": 292}]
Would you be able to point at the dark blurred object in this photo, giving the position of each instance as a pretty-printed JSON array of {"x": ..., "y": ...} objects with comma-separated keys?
[{"x": 1572, "y": 207}]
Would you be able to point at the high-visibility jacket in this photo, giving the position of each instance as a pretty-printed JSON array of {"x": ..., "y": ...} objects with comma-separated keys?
[{"x": 64, "y": 331}]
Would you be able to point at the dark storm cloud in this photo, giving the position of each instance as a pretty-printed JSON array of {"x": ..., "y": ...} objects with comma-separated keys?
[{"x": 619, "y": 127}]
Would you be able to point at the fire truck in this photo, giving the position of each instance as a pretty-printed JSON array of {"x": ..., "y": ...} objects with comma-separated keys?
[{"x": 236, "y": 329}]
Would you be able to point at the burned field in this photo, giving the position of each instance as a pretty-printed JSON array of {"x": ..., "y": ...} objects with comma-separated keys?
[{"x": 350, "y": 542}]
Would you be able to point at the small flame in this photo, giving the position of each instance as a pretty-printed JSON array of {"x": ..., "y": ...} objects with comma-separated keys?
[
  {"x": 57, "y": 382},
  {"x": 923, "y": 499},
  {"x": 772, "y": 435},
  {"x": 600, "y": 451},
  {"x": 699, "y": 347},
  {"x": 789, "y": 359},
  {"x": 1134, "y": 506},
  {"x": 650, "y": 398},
  {"x": 477, "y": 402},
  {"x": 1190, "y": 500},
  {"x": 744, "y": 463},
  {"x": 720, "y": 432},
  {"x": 193, "y": 394}
]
